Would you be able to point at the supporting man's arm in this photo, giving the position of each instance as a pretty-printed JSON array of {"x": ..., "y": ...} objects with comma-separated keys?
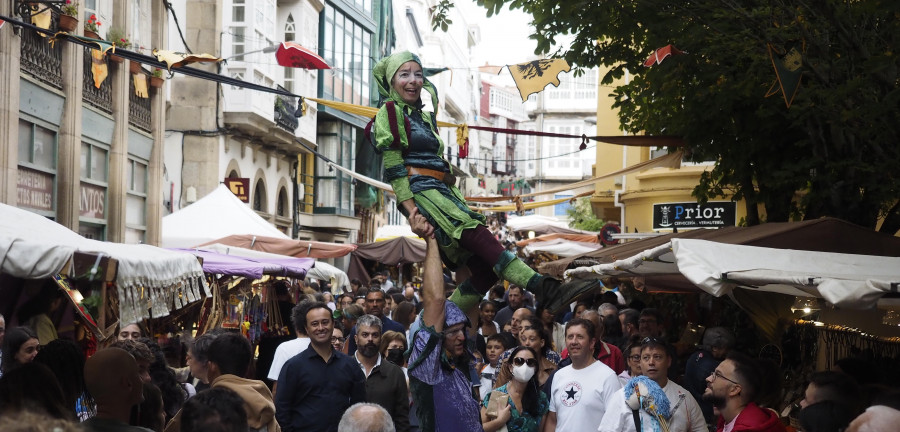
[{"x": 433, "y": 296}]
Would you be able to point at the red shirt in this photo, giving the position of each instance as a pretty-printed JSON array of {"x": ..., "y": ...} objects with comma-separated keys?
[{"x": 608, "y": 354}]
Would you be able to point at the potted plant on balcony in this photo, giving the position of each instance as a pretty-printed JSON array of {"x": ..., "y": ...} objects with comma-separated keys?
[
  {"x": 119, "y": 40},
  {"x": 156, "y": 79},
  {"x": 91, "y": 27},
  {"x": 68, "y": 18}
]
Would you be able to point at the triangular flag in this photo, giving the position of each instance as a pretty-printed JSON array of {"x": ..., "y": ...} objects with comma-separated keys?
[
  {"x": 177, "y": 59},
  {"x": 98, "y": 67},
  {"x": 533, "y": 76},
  {"x": 140, "y": 85},
  {"x": 787, "y": 72},
  {"x": 659, "y": 55}
]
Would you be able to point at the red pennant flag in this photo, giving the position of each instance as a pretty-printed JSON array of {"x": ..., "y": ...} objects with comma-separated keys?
[{"x": 659, "y": 55}]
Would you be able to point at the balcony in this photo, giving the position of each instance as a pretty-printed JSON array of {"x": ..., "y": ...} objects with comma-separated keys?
[
  {"x": 100, "y": 98},
  {"x": 40, "y": 59},
  {"x": 138, "y": 109}
]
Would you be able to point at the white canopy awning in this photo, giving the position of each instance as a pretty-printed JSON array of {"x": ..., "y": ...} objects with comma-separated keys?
[
  {"x": 216, "y": 215},
  {"x": 562, "y": 247},
  {"x": 846, "y": 280},
  {"x": 148, "y": 277}
]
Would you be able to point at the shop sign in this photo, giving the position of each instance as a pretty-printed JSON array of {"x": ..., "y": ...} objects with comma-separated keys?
[
  {"x": 34, "y": 189},
  {"x": 693, "y": 215},
  {"x": 93, "y": 201},
  {"x": 240, "y": 187}
]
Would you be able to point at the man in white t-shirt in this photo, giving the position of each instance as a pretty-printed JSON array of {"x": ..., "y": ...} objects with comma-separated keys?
[
  {"x": 581, "y": 391},
  {"x": 287, "y": 350},
  {"x": 685, "y": 413}
]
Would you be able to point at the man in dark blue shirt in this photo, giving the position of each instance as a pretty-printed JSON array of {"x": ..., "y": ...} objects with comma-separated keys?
[
  {"x": 375, "y": 306},
  {"x": 316, "y": 386}
]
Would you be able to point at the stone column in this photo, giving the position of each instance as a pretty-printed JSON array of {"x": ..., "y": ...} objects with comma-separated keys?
[
  {"x": 10, "y": 51},
  {"x": 158, "y": 128},
  {"x": 118, "y": 150},
  {"x": 68, "y": 196}
]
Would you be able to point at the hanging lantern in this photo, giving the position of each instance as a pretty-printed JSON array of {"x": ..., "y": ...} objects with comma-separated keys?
[{"x": 806, "y": 305}]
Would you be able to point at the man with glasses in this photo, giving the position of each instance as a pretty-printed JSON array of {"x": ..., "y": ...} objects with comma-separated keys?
[
  {"x": 732, "y": 388},
  {"x": 439, "y": 362},
  {"x": 650, "y": 323},
  {"x": 684, "y": 413}
]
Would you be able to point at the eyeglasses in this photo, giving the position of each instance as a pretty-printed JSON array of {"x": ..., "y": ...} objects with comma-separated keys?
[
  {"x": 716, "y": 374},
  {"x": 337, "y": 339},
  {"x": 635, "y": 357},
  {"x": 519, "y": 361}
]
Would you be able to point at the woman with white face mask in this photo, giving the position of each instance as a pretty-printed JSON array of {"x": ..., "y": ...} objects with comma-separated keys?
[{"x": 527, "y": 407}]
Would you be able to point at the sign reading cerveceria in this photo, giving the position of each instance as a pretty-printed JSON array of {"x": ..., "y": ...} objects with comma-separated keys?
[{"x": 693, "y": 215}]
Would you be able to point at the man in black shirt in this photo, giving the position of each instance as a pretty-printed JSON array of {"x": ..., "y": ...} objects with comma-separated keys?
[{"x": 317, "y": 385}]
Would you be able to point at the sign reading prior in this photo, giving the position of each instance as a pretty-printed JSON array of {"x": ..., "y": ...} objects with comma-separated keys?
[
  {"x": 693, "y": 215},
  {"x": 240, "y": 187},
  {"x": 34, "y": 189}
]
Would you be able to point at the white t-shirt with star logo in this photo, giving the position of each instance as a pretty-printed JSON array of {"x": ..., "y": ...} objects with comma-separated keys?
[{"x": 579, "y": 397}]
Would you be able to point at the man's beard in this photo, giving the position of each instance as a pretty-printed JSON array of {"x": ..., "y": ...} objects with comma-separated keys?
[
  {"x": 368, "y": 350},
  {"x": 716, "y": 401}
]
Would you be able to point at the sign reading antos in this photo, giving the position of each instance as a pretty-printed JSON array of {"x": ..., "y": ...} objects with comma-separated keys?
[{"x": 693, "y": 215}]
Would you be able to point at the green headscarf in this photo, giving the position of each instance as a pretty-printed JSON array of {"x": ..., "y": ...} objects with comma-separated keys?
[{"x": 386, "y": 68}]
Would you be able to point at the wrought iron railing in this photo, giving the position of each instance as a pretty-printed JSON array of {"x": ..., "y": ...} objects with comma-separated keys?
[
  {"x": 138, "y": 108},
  {"x": 284, "y": 112},
  {"x": 101, "y": 98},
  {"x": 40, "y": 59}
]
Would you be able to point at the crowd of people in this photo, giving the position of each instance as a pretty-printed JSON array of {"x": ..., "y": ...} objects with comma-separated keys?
[{"x": 419, "y": 363}]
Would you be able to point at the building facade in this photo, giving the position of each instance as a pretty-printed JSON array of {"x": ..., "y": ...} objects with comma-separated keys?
[{"x": 81, "y": 150}]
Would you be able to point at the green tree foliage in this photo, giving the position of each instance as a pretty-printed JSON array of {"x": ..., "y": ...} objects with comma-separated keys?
[
  {"x": 582, "y": 217},
  {"x": 834, "y": 152}
]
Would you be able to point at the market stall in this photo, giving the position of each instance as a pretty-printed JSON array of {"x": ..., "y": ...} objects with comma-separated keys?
[
  {"x": 216, "y": 215},
  {"x": 283, "y": 246},
  {"x": 400, "y": 248},
  {"x": 137, "y": 281}
]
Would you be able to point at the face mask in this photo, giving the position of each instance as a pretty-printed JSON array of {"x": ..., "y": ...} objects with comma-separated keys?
[
  {"x": 522, "y": 373},
  {"x": 395, "y": 356}
]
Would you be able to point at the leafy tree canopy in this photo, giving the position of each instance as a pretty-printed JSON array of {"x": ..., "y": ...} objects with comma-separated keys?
[
  {"x": 582, "y": 217},
  {"x": 834, "y": 152}
]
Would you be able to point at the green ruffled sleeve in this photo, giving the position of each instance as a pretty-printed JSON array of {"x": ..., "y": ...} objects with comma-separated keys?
[{"x": 395, "y": 172}]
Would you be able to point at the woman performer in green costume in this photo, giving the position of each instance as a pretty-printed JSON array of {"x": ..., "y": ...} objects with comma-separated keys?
[{"x": 421, "y": 178}]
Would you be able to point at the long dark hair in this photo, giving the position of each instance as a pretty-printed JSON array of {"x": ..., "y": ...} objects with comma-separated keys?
[
  {"x": 33, "y": 385},
  {"x": 172, "y": 393},
  {"x": 66, "y": 360},
  {"x": 14, "y": 340},
  {"x": 531, "y": 397}
]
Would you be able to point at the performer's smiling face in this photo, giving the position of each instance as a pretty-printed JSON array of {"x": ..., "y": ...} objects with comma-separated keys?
[{"x": 407, "y": 82}]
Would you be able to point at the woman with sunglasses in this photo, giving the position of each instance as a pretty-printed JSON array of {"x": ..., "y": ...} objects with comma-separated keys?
[{"x": 528, "y": 406}]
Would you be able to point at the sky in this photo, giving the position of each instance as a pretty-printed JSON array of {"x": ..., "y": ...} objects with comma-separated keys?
[{"x": 504, "y": 36}]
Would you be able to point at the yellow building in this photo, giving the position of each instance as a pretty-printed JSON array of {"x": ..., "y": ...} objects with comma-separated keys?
[{"x": 658, "y": 199}]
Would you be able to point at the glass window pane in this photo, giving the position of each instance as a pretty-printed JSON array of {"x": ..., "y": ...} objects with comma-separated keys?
[
  {"x": 237, "y": 10},
  {"x": 24, "y": 141},
  {"x": 99, "y": 159},
  {"x": 135, "y": 210},
  {"x": 85, "y": 156},
  {"x": 134, "y": 236},
  {"x": 44, "y": 147},
  {"x": 140, "y": 178}
]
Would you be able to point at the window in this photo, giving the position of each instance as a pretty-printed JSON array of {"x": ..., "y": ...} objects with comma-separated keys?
[
  {"x": 346, "y": 46},
  {"x": 290, "y": 31},
  {"x": 237, "y": 74},
  {"x": 334, "y": 189},
  {"x": 238, "y": 41},
  {"x": 237, "y": 10},
  {"x": 36, "y": 182},
  {"x": 259, "y": 196},
  {"x": 92, "y": 204},
  {"x": 136, "y": 200},
  {"x": 283, "y": 206}
]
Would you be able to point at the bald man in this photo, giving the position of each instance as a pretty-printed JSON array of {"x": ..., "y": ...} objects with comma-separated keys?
[
  {"x": 113, "y": 379},
  {"x": 366, "y": 417}
]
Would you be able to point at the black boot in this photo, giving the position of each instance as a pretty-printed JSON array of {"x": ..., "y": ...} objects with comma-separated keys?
[{"x": 556, "y": 296}]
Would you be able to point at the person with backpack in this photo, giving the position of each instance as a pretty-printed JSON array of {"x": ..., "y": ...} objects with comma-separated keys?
[{"x": 408, "y": 137}]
